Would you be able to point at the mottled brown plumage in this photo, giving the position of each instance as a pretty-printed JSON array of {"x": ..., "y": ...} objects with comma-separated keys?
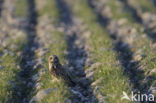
[{"x": 57, "y": 70}]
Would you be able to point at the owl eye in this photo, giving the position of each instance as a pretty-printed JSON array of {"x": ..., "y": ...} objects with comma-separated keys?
[
  {"x": 50, "y": 58},
  {"x": 56, "y": 59}
]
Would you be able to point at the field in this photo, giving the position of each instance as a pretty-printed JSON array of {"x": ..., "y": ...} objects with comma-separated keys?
[{"x": 108, "y": 46}]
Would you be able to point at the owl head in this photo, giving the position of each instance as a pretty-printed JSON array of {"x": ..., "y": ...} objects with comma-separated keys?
[{"x": 53, "y": 59}]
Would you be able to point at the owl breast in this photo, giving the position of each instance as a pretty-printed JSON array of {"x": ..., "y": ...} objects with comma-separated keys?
[{"x": 54, "y": 70}]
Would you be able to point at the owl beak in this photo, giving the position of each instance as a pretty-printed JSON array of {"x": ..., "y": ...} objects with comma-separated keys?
[{"x": 51, "y": 61}]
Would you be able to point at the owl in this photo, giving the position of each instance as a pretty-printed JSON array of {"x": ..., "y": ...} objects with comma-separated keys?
[{"x": 58, "y": 71}]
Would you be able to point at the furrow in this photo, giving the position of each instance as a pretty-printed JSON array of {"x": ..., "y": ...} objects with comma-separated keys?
[
  {"x": 122, "y": 44},
  {"x": 145, "y": 17},
  {"x": 12, "y": 41},
  {"x": 133, "y": 34},
  {"x": 28, "y": 60},
  {"x": 1, "y": 4},
  {"x": 153, "y": 1},
  {"x": 63, "y": 39},
  {"x": 146, "y": 11},
  {"x": 106, "y": 69},
  {"x": 51, "y": 40},
  {"x": 76, "y": 54}
]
